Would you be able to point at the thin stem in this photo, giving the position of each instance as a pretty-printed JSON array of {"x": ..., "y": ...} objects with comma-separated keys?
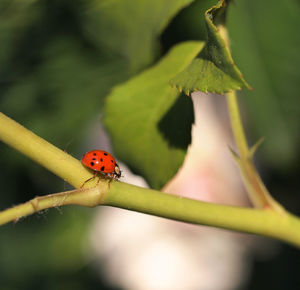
[
  {"x": 256, "y": 189},
  {"x": 236, "y": 124},
  {"x": 88, "y": 198},
  {"x": 122, "y": 195}
]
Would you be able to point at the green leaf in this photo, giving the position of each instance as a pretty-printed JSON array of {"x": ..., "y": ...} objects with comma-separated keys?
[
  {"x": 150, "y": 123},
  {"x": 131, "y": 28},
  {"x": 214, "y": 70}
]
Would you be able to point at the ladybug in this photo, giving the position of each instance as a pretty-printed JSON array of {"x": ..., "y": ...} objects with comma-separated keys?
[{"x": 102, "y": 163}]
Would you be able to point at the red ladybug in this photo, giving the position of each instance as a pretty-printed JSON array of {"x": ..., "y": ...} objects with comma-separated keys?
[{"x": 102, "y": 163}]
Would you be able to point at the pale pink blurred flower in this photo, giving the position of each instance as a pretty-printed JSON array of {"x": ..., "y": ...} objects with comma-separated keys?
[{"x": 142, "y": 252}]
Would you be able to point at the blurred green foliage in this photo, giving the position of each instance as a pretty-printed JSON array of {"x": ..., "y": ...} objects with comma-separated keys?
[
  {"x": 265, "y": 43},
  {"x": 59, "y": 59}
]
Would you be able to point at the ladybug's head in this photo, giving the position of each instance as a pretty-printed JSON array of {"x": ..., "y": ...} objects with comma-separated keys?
[{"x": 117, "y": 171}]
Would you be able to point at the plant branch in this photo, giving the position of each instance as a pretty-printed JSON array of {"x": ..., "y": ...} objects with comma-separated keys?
[
  {"x": 236, "y": 124},
  {"x": 42, "y": 152},
  {"x": 130, "y": 197},
  {"x": 256, "y": 221},
  {"x": 256, "y": 189},
  {"x": 88, "y": 198},
  {"x": 258, "y": 193}
]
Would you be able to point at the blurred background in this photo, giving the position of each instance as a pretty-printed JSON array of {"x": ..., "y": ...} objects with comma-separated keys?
[{"x": 58, "y": 62}]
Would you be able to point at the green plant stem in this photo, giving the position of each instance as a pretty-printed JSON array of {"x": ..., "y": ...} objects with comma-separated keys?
[
  {"x": 42, "y": 152},
  {"x": 75, "y": 197},
  {"x": 126, "y": 196},
  {"x": 257, "y": 191},
  {"x": 236, "y": 124},
  {"x": 256, "y": 221}
]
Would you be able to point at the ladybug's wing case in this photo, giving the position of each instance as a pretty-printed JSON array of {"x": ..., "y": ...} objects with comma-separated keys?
[
  {"x": 99, "y": 160},
  {"x": 108, "y": 163}
]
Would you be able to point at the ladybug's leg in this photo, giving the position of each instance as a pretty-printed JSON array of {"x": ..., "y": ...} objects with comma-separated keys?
[
  {"x": 109, "y": 175},
  {"x": 95, "y": 173},
  {"x": 98, "y": 180}
]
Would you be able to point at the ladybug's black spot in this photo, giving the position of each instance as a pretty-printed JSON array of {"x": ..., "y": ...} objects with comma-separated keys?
[
  {"x": 101, "y": 159},
  {"x": 92, "y": 163},
  {"x": 112, "y": 161},
  {"x": 94, "y": 159},
  {"x": 105, "y": 153},
  {"x": 102, "y": 168},
  {"x": 95, "y": 154}
]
